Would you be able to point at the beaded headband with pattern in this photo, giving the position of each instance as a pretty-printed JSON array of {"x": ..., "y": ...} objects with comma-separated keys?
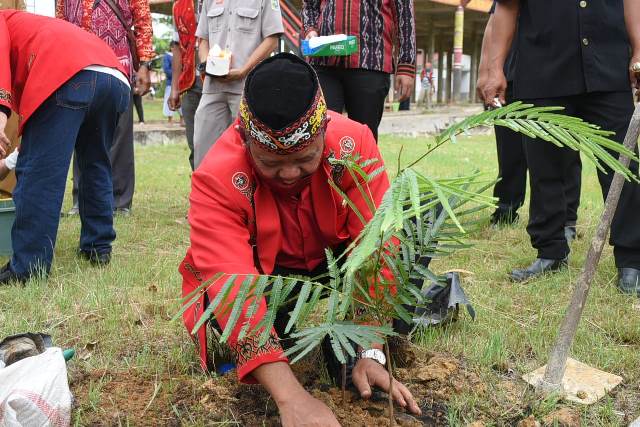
[{"x": 294, "y": 137}]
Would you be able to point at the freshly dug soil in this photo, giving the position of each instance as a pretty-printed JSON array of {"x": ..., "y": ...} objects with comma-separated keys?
[{"x": 116, "y": 398}]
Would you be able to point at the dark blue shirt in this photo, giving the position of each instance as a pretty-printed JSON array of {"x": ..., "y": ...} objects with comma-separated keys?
[{"x": 166, "y": 67}]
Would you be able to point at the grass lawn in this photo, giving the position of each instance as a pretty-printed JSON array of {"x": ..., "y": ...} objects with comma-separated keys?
[{"x": 133, "y": 364}]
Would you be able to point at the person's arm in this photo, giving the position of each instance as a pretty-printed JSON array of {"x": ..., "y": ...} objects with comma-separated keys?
[
  {"x": 406, "y": 68},
  {"x": 503, "y": 29},
  {"x": 203, "y": 50},
  {"x": 263, "y": 51},
  {"x": 6, "y": 103},
  {"x": 310, "y": 18},
  {"x": 483, "y": 67},
  {"x": 143, "y": 31},
  {"x": 632, "y": 22},
  {"x": 176, "y": 70}
]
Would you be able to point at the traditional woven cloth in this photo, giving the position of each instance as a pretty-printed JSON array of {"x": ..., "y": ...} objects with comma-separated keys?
[{"x": 102, "y": 22}]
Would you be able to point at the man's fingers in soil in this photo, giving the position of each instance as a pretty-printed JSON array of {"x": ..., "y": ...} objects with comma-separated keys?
[
  {"x": 362, "y": 384},
  {"x": 408, "y": 397}
]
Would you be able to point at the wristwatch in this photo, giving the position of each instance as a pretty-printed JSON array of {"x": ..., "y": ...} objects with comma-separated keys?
[
  {"x": 202, "y": 67},
  {"x": 375, "y": 354}
]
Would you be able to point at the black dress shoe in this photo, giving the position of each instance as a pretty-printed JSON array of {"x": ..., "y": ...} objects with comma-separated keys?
[
  {"x": 7, "y": 276},
  {"x": 122, "y": 212},
  {"x": 502, "y": 218},
  {"x": 629, "y": 281},
  {"x": 95, "y": 258},
  {"x": 539, "y": 266}
]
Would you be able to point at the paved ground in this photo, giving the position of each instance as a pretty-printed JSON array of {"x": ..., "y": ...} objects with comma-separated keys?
[{"x": 413, "y": 123}]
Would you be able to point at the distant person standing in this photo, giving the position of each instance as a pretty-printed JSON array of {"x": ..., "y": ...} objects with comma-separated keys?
[
  {"x": 111, "y": 20},
  {"x": 186, "y": 89},
  {"x": 426, "y": 81},
  {"x": 250, "y": 31},
  {"x": 167, "y": 68},
  {"x": 359, "y": 83}
]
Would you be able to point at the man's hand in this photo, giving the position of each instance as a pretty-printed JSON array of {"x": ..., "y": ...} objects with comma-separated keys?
[
  {"x": 368, "y": 373},
  {"x": 311, "y": 34},
  {"x": 296, "y": 406},
  {"x": 494, "y": 86},
  {"x": 4, "y": 140},
  {"x": 634, "y": 71},
  {"x": 143, "y": 82},
  {"x": 306, "y": 411},
  {"x": 234, "y": 74},
  {"x": 174, "y": 98},
  {"x": 403, "y": 87}
]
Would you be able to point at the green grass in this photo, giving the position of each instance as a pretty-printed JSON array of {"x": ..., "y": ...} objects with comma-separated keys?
[{"x": 117, "y": 317}]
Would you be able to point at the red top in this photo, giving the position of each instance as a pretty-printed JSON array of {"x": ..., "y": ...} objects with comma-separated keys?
[
  {"x": 224, "y": 193},
  {"x": 302, "y": 241},
  {"x": 43, "y": 54}
]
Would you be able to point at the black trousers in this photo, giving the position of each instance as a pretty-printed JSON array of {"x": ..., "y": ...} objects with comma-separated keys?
[
  {"x": 358, "y": 91},
  {"x": 510, "y": 190},
  {"x": 552, "y": 172},
  {"x": 190, "y": 101},
  {"x": 122, "y": 163},
  {"x": 137, "y": 102}
]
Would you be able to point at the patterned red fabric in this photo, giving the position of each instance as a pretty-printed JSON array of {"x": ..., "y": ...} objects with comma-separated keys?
[
  {"x": 184, "y": 17},
  {"x": 102, "y": 22},
  {"x": 384, "y": 28},
  {"x": 32, "y": 48},
  {"x": 226, "y": 193}
]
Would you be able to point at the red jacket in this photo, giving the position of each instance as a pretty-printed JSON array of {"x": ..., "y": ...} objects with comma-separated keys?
[
  {"x": 43, "y": 53},
  {"x": 223, "y": 222}
]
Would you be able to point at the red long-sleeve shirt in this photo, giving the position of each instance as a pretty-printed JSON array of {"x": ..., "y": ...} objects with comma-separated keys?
[{"x": 229, "y": 205}]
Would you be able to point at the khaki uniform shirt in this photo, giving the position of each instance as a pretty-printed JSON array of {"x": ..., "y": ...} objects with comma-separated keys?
[
  {"x": 12, "y": 4},
  {"x": 238, "y": 26}
]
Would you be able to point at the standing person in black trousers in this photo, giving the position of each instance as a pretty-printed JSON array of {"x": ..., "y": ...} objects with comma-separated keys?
[
  {"x": 510, "y": 190},
  {"x": 575, "y": 55},
  {"x": 359, "y": 83}
]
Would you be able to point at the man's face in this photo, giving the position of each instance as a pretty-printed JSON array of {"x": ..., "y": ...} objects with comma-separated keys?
[{"x": 288, "y": 169}]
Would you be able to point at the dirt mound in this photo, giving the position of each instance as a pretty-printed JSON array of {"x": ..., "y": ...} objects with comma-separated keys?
[{"x": 120, "y": 398}]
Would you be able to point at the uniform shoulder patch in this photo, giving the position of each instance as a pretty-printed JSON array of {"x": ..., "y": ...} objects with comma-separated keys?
[
  {"x": 275, "y": 4},
  {"x": 347, "y": 145}
]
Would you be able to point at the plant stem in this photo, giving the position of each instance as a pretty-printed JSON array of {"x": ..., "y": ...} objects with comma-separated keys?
[
  {"x": 392, "y": 420},
  {"x": 344, "y": 385}
]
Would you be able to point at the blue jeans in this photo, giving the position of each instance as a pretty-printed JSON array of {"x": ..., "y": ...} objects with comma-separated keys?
[{"x": 80, "y": 114}]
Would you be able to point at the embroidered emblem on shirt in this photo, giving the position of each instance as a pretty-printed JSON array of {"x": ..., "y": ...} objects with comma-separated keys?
[
  {"x": 240, "y": 180},
  {"x": 347, "y": 145}
]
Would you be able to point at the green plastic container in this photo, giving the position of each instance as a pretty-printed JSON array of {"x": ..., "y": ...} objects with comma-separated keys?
[{"x": 7, "y": 216}]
